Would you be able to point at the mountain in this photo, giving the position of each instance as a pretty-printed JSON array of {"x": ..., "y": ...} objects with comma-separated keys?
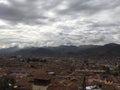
[
  {"x": 47, "y": 51},
  {"x": 65, "y": 49},
  {"x": 9, "y": 51},
  {"x": 35, "y": 51},
  {"x": 111, "y": 50},
  {"x": 52, "y": 51}
]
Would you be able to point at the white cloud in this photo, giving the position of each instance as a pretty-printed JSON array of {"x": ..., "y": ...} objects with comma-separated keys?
[
  {"x": 58, "y": 22},
  {"x": 4, "y": 2}
]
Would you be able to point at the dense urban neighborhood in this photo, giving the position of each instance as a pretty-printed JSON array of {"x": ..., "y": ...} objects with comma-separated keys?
[{"x": 59, "y": 73}]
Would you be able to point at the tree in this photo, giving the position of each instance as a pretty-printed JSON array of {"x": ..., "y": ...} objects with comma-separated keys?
[{"x": 6, "y": 83}]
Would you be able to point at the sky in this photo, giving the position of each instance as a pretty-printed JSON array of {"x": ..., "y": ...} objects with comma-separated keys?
[{"x": 40, "y": 23}]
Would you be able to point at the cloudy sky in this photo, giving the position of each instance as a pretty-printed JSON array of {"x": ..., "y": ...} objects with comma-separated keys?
[{"x": 59, "y": 22}]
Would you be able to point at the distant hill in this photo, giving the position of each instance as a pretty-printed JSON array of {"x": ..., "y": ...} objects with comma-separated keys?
[
  {"x": 34, "y": 51},
  {"x": 9, "y": 51},
  {"x": 86, "y": 51},
  {"x": 109, "y": 50},
  {"x": 47, "y": 51},
  {"x": 53, "y": 51}
]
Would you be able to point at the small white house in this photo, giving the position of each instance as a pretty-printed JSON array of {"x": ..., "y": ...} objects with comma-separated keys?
[
  {"x": 40, "y": 84},
  {"x": 38, "y": 87}
]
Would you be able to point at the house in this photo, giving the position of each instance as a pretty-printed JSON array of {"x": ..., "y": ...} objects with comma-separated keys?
[{"x": 40, "y": 84}]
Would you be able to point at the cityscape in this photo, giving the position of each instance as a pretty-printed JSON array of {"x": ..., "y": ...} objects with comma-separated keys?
[
  {"x": 61, "y": 72},
  {"x": 59, "y": 44}
]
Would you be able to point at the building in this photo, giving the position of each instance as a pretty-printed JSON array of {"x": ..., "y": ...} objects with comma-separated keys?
[{"x": 40, "y": 84}]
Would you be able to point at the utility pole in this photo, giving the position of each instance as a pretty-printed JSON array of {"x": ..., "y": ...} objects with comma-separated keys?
[{"x": 84, "y": 83}]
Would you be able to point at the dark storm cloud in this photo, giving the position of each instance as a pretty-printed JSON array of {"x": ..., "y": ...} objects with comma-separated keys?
[
  {"x": 89, "y": 7},
  {"x": 18, "y": 12},
  {"x": 34, "y": 11}
]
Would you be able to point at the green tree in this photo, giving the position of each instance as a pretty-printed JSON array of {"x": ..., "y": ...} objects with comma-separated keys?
[{"x": 6, "y": 83}]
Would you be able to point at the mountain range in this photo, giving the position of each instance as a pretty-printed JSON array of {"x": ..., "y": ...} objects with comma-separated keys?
[{"x": 86, "y": 51}]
